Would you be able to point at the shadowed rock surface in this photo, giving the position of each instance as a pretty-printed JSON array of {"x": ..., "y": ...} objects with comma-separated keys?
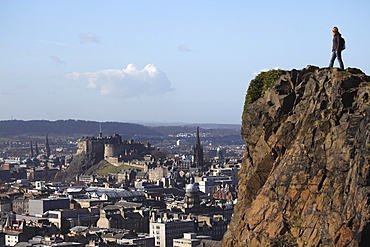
[{"x": 305, "y": 177}]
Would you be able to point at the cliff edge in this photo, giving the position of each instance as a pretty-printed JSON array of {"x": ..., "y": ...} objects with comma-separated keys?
[{"x": 305, "y": 177}]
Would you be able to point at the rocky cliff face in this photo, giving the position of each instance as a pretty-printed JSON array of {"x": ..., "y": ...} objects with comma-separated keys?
[{"x": 305, "y": 177}]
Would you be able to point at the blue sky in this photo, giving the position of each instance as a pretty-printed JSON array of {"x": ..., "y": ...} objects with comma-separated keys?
[{"x": 161, "y": 61}]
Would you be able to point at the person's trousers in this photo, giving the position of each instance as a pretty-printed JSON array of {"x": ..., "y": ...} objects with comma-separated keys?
[{"x": 335, "y": 55}]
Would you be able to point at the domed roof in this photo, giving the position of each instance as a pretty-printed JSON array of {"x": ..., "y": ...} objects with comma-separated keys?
[{"x": 191, "y": 188}]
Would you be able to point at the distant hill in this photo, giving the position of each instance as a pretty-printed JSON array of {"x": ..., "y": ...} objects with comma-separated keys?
[
  {"x": 215, "y": 130},
  {"x": 71, "y": 128},
  {"x": 78, "y": 128},
  {"x": 201, "y": 125}
]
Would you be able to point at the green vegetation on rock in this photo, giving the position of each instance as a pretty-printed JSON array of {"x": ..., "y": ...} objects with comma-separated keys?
[
  {"x": 103, "y": 168},
  {"x": 260, "y": 84}
]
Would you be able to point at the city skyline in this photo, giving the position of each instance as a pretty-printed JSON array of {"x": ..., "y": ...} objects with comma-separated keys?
[{"x": 161, "y": 61}]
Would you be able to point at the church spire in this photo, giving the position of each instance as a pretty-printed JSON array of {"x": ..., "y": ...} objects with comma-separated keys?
[
  {"x": 198, "y": 151},
  {"x": 36, "y": 150},
  {"x": 31, "y": 151},
  {"x": 198, "y": 139},
  {"x": 47, "y": 147}
]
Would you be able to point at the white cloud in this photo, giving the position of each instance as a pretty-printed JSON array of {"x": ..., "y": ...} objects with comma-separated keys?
[
  {"x": 125, "y": 83},
  {"x": 89, "y": 38},
  {"x": 183, "y": 48},
  {"x": 57, "y": 60}
]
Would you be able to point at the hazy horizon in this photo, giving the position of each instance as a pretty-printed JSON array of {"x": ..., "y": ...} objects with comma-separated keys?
[{"x": 145, "y": 123}]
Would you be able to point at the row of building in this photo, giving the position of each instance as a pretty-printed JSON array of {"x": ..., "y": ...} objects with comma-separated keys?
[
  {"x": 168, "y": 202},
  {"x": 160, "y": 213}
]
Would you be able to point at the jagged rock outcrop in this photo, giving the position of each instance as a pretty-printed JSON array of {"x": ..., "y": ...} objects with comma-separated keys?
[{"x": 305, "y": 177}]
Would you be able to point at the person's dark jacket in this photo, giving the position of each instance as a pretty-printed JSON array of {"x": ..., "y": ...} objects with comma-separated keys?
[{"x": 337, "y": 42}]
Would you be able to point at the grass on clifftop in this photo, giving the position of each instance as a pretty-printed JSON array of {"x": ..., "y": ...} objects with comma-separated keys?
[
  {"x": 103, "y": 168},
  {"x": 260, "y": 84}
]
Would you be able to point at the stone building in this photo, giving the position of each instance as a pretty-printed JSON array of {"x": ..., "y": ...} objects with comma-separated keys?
[
  {"x": 225, "y": 192},
  {"x": 17, "y": 231},
  {"x": 158, "y": 173},
  {"x": 110, "y": 218},
  {"x": 20, "y": 205},
  {"x": 126, "y": 177},
  {"x": 113, "y": 148},
  {"x": 5, "y": 203},
  {"x": 64, "y": 219},
  {"x": 191, "y": 200},
  {"x": 214, "y": 226},
  {"x": 120, "y": 218}
]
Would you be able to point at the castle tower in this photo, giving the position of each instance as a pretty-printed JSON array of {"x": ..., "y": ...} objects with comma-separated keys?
[
  {"x": 100, "y": 131},
  {"x": 198, "y": 152}
]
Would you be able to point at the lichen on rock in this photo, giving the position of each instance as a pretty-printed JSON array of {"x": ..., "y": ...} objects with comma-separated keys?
[{"x": 305, "y": 177}]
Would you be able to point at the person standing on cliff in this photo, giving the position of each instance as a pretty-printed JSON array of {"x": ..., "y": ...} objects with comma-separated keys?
[{"x": 338, "y": 46}]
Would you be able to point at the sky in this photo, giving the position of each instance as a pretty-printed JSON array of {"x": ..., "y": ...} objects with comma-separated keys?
[{"x": 162, "y": 61}]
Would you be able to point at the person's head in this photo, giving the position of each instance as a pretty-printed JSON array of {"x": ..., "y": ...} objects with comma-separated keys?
[{"x": 335, "y": 30}]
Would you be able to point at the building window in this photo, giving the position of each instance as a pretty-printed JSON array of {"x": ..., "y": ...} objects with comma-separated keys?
[{"x": 53, "y": 216}]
